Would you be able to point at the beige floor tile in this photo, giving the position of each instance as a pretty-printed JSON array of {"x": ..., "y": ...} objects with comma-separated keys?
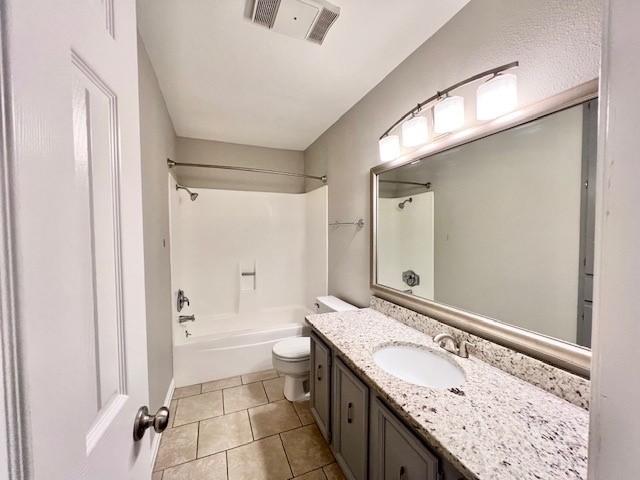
[
  {"x": 172, "y": 412},
  {"x": 304, "y": 412},
  {"x": 156, "y": 476},
  {"x": 306, "y": 449},
  {"x": 198, "y": 407},
  {"x": 220, "y": 384},
  {"x": 243, "y": 397},
  {"x": 334, "y": 472},
  {"x": 315, "y": 475},
  {"x": 208, "y": 468},
  {"x": 260, "y": 460},
  {"x": 221, "y": 433},
  {"x": 258, "y": 376},
  {"x": 274, "y": 388},
  {"x": 178, "y": 445},
  {"x": 187, "y": 391},
  {"x": 273, "y": 418}
]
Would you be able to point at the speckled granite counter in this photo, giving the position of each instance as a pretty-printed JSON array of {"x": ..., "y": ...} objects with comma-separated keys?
[{"x": 493, "y": 427}]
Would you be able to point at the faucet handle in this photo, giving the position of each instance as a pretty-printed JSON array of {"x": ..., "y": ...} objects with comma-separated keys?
[
  {"x": 182, "y": 299},
  {"x": 463, "y": 349}
]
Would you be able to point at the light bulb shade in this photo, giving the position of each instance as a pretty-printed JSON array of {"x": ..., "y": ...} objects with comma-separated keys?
[
  {"x": 497, "y": 96},
  {"x": 415, "y": 132},
  {"x": 448, "y": 114},
  {"x": 389, "y": 147}
]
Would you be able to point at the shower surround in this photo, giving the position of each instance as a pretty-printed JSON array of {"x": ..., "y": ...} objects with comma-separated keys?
[{"x": 251, "y": 264}]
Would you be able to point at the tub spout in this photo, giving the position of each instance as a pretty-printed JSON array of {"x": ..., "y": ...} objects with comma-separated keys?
[{"x": 186, "y": 318}]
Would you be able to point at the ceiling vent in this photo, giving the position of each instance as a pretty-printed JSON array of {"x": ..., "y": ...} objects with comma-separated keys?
[{"x": 304, "y": 19}]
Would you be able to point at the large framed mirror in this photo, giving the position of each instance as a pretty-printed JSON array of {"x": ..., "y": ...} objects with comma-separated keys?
[{"x": 491, "y": 229}]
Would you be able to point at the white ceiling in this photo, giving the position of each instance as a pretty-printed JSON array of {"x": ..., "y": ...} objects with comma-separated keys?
[{"x": 225, "y": 78}]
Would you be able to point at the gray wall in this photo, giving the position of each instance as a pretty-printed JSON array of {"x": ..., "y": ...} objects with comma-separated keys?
[
  {"x": 558, "y": 45},
  {"x": 157, "y": 139},
  {"x": 614, "y": 447},
  {"x": 191, "y": 150}
]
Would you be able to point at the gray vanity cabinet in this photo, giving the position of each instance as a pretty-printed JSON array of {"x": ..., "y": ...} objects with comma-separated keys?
[
  {"x": 320, "y": 397},
  {"x": 350, "y": 422},
  {"x": 395, "y": 452}
]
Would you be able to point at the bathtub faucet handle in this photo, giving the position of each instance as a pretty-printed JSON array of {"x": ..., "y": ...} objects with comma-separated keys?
[{"x": 182, "y": 299}]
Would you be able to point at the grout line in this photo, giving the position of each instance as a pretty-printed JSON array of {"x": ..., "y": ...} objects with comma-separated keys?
[
  {"x": 286, "y": 456},
  {"x": 200, "y": 419},
  {"x": 251, "y": 426},
  {"x": 198, "y": 440},
  {"x": 226, "y": 461},
  {"x": 192, "y": 460}
]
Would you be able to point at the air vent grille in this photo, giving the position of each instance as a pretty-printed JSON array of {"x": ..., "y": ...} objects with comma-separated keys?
[
  {"x": 322, "y": 25},
  {"x": 265, "y": 11}
]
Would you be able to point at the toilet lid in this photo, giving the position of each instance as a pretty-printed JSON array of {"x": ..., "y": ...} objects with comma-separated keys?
[{"x": 296, "y": 347}]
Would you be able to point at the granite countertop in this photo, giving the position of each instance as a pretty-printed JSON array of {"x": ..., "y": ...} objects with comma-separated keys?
[{"x": 493, "y": 427}]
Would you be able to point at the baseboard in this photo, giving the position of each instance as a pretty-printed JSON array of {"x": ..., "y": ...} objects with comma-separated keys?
[{"x": 155, "y": 443}]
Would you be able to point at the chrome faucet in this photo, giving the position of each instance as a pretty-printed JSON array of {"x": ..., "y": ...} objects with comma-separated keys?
[
  {"x": 182, "y": 299},
  {"x": 448, "y": 343},
  {"x": 186, "y": 318}
]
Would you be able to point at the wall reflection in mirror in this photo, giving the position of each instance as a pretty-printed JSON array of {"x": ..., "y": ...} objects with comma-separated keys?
[{"x": 502, "y": 226}]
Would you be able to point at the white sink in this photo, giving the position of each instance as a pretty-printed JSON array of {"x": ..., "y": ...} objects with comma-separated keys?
[{"x": 419, "y": 366}]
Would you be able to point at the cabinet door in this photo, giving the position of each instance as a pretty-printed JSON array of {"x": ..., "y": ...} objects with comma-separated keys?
[
  {"x": 350, "y": 422},
  {"x": 396, "y": 454},
  {"x": 320, "y": 398}
]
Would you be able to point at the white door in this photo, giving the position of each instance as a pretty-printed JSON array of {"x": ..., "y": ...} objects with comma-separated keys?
[{"x": 76, "y": 233}]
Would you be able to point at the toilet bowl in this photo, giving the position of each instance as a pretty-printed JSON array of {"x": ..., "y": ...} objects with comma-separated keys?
[
  {"x": 291, "y": 356},
  {"x": 291, "y": 359}
]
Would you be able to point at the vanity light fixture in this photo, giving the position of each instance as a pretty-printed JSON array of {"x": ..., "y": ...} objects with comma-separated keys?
[
  {"x": 389, "y": 147},
  {"x": 448, "y": 114},
  {"x": 415, "y": 131},
  {"x": 495, "y": 97}
]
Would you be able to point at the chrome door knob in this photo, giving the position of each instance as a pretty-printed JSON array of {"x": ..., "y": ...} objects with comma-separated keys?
[{"x": 143, "y": 420}]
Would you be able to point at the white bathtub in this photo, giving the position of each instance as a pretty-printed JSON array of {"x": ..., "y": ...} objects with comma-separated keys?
[{"x": 223, "y": 346}]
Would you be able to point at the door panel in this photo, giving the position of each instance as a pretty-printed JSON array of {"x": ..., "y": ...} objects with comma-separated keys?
[
  {"x": 395, "y": 451},
  {"x": 76, "y": 185},
  {"x": 321, "y": 386},
  {"x": 95, "y": 125},
  {"x": 351, "y": 429}
]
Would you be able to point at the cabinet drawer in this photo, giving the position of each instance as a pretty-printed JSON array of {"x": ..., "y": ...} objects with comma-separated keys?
[
  {"x": 396, "y": 454},
  {"x": 320, "y": 397},
  {"x": 350, "y": 422}
]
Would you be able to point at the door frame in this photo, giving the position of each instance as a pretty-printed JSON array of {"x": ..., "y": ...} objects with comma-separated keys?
[{"x": 15, "y": 430}]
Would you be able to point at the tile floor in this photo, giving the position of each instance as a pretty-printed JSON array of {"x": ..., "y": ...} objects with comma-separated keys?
[{"x": 242, "y": 428}]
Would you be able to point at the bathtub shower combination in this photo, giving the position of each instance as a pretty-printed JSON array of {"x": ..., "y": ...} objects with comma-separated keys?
[{"x": 251, "y": 265}]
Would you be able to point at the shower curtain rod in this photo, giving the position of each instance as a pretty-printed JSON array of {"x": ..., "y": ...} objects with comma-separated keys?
[
  {"x": 426, "y": 185},
  {"x": 172, "y": 164}
]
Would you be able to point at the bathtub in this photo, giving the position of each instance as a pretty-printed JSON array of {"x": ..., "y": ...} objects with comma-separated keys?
[{"x": 221, "y": 346}]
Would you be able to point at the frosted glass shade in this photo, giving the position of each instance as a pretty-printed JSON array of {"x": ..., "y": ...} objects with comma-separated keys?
[
  {"x": 389, "y": 147},
  {"x": 415, "y": 132},
  {"x": 448, "y": 114},
  {"x": 497, "y": 96}
]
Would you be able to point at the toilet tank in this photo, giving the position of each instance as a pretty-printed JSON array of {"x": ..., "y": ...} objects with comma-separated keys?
[{"x": 332, "y": 304}]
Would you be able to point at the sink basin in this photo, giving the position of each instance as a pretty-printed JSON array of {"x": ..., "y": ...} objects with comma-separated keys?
[{"x": 419, "y": 366}]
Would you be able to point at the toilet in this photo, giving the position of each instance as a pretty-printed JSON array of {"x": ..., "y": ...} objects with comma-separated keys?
[{"x": 291, "y": 355}]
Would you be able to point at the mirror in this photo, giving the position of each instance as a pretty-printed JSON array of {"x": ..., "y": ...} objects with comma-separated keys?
[{"x": 501, "y": 226}]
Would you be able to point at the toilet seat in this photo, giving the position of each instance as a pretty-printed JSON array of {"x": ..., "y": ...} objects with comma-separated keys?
[{"x": 293, "y": 349}]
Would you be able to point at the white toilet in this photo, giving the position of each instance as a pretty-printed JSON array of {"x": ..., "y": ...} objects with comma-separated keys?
[{"x": 291, "y": 355}]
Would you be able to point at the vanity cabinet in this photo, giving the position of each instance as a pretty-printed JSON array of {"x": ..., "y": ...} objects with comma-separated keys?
[
  {"x": 396, "y": 454},
  {"x": 320, "y": 386},
  {"x": 350, "y": 422},
  {"x": 368, "y": 440}
]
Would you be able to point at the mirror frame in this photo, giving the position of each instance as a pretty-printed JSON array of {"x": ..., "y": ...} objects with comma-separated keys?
[{"x": 565, "y": 355}]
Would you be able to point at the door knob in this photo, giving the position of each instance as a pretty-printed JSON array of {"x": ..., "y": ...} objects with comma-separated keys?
[{"x": 143, "y": 420}]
